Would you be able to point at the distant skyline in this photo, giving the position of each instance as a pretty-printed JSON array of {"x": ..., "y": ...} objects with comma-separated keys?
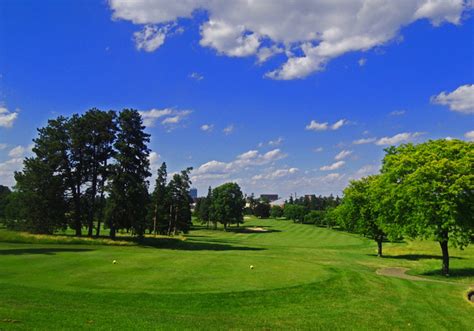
[{"x": 279, "y": 98}]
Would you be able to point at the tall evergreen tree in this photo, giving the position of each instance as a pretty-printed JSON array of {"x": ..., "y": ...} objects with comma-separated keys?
[
  {"x": 160, "y": 202},
  {"x": 42, "y": 184},
  {"x": 100, "y": 134},
  {"x": 180, "y": 203},
  {"x": 129, "y": 187}
]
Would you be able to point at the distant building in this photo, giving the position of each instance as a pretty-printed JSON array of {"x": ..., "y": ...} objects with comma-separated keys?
[
  {"x": 269, "y": 197},
  {"x": 193, "y": 193},
  {"x": 310, "y": 197}
]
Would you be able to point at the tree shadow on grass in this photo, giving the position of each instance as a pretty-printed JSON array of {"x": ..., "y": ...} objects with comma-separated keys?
[
  {"x": 45, "y": 251},
  {"x": 416, "y": 257},
  {"x": 190, "y": 245},
  {"x": 453, "y": 272}
]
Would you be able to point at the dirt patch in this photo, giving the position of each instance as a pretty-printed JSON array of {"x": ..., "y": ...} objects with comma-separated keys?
[{"x": 399, "y": 272}]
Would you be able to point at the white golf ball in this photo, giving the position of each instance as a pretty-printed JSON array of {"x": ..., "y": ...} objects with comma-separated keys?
[
  {"x": 251, "y": 267},
  {"x": 114, "y": 261}
]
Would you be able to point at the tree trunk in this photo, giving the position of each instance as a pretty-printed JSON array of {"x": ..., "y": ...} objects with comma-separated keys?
[
  {"x": 92, "y": 206},
  {"x": 77, "y": 215},
  {"x": 379, "y": 245},
  {"x": 225, "y": 226},
  {"x": 112, "y": 231},
  {"x": 444, "y": 249}
]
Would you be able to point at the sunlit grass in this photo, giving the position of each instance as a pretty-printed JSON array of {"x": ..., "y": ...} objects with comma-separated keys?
[{"x": 304, "y": 277}]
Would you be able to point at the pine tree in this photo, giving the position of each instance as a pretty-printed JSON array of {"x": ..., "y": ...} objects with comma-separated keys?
[
  {"x": 160, "y": 202},
  {"x": 129, "y": 188}
]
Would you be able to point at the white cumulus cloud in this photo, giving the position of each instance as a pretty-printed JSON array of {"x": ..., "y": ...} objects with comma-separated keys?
[
  {"x": 7, "y": 118},
  {"x": 309, "y": 32},
  {"x": 460, "y": 100}
]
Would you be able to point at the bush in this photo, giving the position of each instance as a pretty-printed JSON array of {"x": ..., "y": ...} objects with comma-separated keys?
[
  {"x": 276, "y": 212},
  {"x": 315, "y": 217}
]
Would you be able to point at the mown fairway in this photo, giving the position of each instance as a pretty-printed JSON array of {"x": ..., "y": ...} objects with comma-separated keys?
[{"x": 304, "y": 277}]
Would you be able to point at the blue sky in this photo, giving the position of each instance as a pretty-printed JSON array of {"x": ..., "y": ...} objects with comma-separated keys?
[{"x": 271, "y": 96}]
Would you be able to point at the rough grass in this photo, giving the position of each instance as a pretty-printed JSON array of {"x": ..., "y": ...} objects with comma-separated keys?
[{"x": 304, "y": 277}]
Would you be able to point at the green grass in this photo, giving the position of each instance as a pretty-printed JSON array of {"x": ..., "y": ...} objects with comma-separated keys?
[{"x": 304, "y": 277}]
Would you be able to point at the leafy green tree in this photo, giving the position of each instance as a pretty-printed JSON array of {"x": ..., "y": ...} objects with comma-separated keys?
[
  {"x": 262, "y": 209},
  {"x": 128, "y": 187},
  {"x": 359, "y": 210},
  {"x": 431, "y": 187},
  {"x": 276, "y": 212},
  {"x": 294, "y": 212},
  {"x": 227, "y": 204},
  {"x": 315, "y": 217}
]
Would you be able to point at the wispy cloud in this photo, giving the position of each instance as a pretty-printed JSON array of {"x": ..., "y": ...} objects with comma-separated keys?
[
  {"x": 169, "y": 117},
  {"x": 334, "y": 166},
  {"x": 229, "y": 129},
  {"x": 316, "y": 126},
  {"x": 398, "y": 138}
]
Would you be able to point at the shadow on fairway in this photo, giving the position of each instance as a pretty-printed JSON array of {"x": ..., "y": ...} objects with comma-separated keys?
[
  {"x": 45, "y": 251},
  {"x": 453, "y": 272},
  {"x": 190, "y": 245},
  {"x": 416, "y": 257}
]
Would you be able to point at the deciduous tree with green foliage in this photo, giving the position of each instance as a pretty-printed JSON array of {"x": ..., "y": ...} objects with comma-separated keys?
[
  {"x": 262, "y": 209},
  {"x": 432, "y": 190},
  {"x": 294, "y": 212},
  {"x": 276, "y": 212},
  {"x": 358, "y": 210},
  {"x": 227, "y": 204}
]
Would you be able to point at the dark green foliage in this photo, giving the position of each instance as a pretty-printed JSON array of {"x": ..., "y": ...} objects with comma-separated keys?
[
  {"x": 180, "y": 203},
  {"x": 294, "y": 212},
  {"x": 262, "y": 209},
  {"x": 315, "y": 217},
  {"x": 276, "y": 212},
  {"x": 40, "y": 197},
  {"x": 227, "y": 204},
  {"x": 99, "y": 129},
  {"x": 128, "y": 188},
  {"x": 4, "y": 193},
  {"x": 160, "y": 203},
  {"x": 203, "y": 208}
]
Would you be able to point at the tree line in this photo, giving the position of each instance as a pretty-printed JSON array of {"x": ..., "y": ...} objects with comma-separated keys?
[{"x": 92, "y": 170}]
